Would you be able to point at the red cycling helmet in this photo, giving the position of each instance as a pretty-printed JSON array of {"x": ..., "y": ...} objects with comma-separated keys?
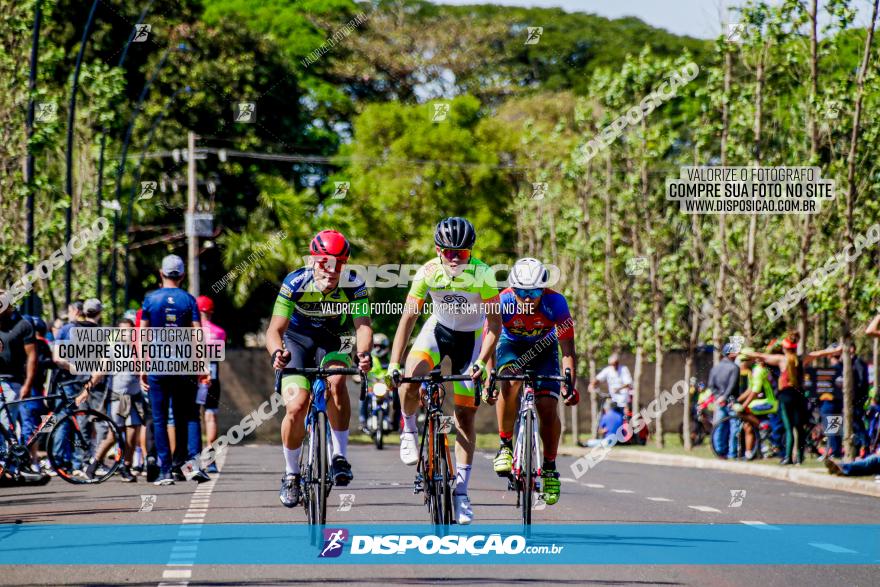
[
  {"x": 205, "y": 304},
  {"x": 330, "y": 243}
]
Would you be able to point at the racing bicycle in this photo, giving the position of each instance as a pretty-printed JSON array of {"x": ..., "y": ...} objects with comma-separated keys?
[
  {"x": 315, "y": 479},
  {"x": 434, "y": 472},
  {"x": 71, "y": 431},
  {"x": 526, "y": 470}
]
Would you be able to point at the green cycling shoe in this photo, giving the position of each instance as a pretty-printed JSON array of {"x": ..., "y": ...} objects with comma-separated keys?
[
  {"x": 551, "y": 485},
  {"x": 503, "y": 461}
]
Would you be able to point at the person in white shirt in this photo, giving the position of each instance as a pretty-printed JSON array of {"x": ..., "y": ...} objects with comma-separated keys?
[{"x": 619, "y": 382}]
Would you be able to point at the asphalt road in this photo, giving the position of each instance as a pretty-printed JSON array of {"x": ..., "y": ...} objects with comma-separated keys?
[{"x": 614, "y": 494}]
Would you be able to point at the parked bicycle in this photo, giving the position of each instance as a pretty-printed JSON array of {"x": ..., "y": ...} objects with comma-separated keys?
[
  {"x": 315, "y": 478},
  {"x": 71, "y": 433},
  {"x": 434, "y": 471},
  {"x": 763, "y": 443},
  {"x": 526, "y": 470}
]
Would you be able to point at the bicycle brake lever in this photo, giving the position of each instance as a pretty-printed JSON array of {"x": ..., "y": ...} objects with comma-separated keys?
[{"x": 478, "y": 388}]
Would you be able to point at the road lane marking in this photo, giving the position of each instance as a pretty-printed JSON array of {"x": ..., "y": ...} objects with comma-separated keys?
[
  {"x": 593, "y": 485},
  {"x": 704, "y": 508},
  {"x": 177, "y": 574},
  {"x": 758, "y": 524},
  {"x": 567, "y": 479},
  {"x": 622, "y": 491},
  {"x": 658, "y": 498},
  {"x": 832, "y": 548}
]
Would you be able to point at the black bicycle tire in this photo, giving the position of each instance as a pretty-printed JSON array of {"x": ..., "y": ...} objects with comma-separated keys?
[
  {"x": 323, "y": 468},
  {"x": 305, "y": 472},
  {"x": 436, "y": 490},
  {"x": 5, "y": 449},
  {"x": 53, "y": 457},
  {"x": 527, "y": 485},
  {"x": 380, "y": 425},
  {"x": 446, "y": 480}
]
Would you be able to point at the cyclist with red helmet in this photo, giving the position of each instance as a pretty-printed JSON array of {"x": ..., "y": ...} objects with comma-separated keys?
[{"x": 315, "y": 312}]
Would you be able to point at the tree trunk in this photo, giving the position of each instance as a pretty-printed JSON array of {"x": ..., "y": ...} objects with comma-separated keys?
[
  {"x": 848, "y": 283},
  {"x": 658, "y": 375},
  {"x": 718, "y": 303},
  {"x": 637, "y": 369},
  {"x": 686, "y": 417}
]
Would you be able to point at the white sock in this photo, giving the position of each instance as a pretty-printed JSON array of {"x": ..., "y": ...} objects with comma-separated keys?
[
  {"x": 410, "y": 424},
  {"x": 339, "y": 439},
  {"x": 462, "y": 477},
  {"x": 291, "y": 460}
]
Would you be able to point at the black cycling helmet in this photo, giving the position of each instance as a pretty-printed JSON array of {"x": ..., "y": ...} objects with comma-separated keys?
[{"x": 455, "y": 232}]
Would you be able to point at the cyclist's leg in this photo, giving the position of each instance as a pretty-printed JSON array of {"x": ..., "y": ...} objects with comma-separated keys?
[
  {"x": 423, "y": 357},
  {"x": 183, "y": 391},
  {"x": 338, "y": 401},
  {"x": 295, "y": 390},
  {"x": 507, "y": 354},
  {"x": 463, "y": 348}
]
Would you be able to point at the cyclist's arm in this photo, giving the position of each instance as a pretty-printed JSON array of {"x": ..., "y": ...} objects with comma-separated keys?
[
  {"x": 364, "y": 334},
  {"x": 404, "y": 328},
  {"x": 30, "y": 369},
  {"x": 493, "y": 330},
  {"x": 569, "y": 359},
  {"x": 812, "y": 356},
  {"x": 275, "y": 333}
]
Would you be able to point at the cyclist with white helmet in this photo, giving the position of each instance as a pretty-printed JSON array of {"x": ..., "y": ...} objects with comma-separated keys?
[
  {"x": 534, "y": 318},
  {"x": 464, "y": 296}
]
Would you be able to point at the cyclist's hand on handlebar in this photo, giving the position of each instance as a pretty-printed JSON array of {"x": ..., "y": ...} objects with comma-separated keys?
[
  {"x": 365, "y": 362},
  {"x": 82, "y": 397},
  {"x": 280, "y": 358},
  {"x": 390, "y": 379},
  {"x": 478, "y": 370},
  {"x": 572, "y": 398}
]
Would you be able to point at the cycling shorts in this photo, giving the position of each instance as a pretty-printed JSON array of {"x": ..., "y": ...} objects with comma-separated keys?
[
  {"x": 545, "y": 362},
  {"x": 436, "y": 341},
  {"x": 308, "y": 351}
]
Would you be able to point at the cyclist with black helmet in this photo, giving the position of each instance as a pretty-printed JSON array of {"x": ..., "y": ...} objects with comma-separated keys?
[
  {"x": 315, "y": 312},
  {"x": 536, "y": 324},
  {"x": 464, "y": 296}
]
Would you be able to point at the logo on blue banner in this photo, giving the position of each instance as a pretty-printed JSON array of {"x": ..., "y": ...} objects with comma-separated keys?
[{"x": 334, "y": 542}]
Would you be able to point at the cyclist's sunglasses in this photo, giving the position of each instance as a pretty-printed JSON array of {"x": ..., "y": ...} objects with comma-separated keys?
[
  {"x": 328, "y": 263},
  {"x": 532, "y": 294},
  {"x": 460, "y": 254}
]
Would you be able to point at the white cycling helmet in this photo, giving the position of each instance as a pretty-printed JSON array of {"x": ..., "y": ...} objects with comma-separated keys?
[{"x": 528, "y": 273}]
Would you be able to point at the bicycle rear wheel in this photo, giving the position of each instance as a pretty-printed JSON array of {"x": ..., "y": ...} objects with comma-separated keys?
[
  {"x": 80, "y": 436},
  {"x": 6, "y": 456},
  {"x": 527, "y": 475}
]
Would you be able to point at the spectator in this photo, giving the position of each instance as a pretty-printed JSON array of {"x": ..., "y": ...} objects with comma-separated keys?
[
  {"x": 861, "y": 390},
  {"x": 831, "y": 404},
  {"x": 74, "y": 315},
  {"x": 619, "y": 382},
  {"x": 611, "y": 421},
  {"x": 77, "y": 387},
  {"x": 724, "y": 383},
  {"x": 128, "y": 409},
  {"x": 210, "y": 389},
  {"x": 18, "y": 359},
  {"x": 172, "y": 307},
  {"x": 30, "y": 412},
  {"x": 859, "y": 468}
]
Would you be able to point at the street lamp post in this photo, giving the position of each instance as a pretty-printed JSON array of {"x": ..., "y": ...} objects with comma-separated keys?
[
  {"x": 71, "y": 119},
  {"x": 120, "y": 170},
  {"x": 29, "y": 160},
  {"x": 137, "y": 177},
  {"x": 100, "y": 189}
]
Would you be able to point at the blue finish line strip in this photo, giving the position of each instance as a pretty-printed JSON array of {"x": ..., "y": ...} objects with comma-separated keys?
[{"x": 288, "y": 544}]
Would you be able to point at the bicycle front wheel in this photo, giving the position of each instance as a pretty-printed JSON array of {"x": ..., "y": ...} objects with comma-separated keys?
[
  {"x": 323, "y": 431},
  {"x": 78, "y": 439},
  {"x": 527, "y": 475}
]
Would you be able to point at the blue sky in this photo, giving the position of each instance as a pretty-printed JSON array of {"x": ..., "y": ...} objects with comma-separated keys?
[{"x": 697, "y": 18}]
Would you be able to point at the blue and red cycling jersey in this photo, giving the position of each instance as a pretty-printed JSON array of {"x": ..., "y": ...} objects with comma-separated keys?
[{"x": 551, "y": 313}]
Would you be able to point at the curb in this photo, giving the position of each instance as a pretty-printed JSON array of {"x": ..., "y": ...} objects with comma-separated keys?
[{"x": 801, "y": 476}]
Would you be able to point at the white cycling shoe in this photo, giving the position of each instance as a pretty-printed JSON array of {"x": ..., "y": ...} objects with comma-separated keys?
[
  {"x": 464, "y": 515},
  {"x": 409, "y": 449}
]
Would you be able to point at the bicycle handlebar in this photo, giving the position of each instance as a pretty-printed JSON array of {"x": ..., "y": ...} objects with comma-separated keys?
[
  {"x": 530, "y": 376},
  {"x": 436, "y": 377},
  {"x": 321, "y": 372}
]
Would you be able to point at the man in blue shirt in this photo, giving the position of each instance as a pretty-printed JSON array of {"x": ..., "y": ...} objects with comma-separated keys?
[
  {"x": 611, "y": 421},
  {"x": 173, "y": 307}
]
